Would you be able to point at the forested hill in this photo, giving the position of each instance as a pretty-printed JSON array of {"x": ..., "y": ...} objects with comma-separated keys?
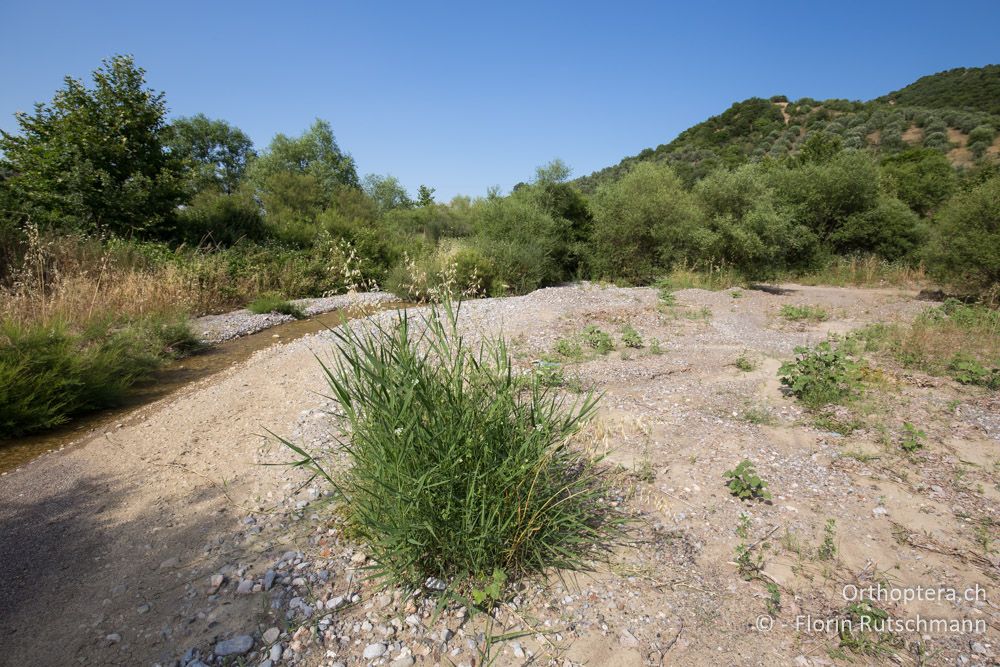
[{"x": 955, "y": 112}]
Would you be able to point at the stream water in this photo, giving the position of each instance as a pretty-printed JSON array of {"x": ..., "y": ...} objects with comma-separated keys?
[{"x": 170, "y": 378}]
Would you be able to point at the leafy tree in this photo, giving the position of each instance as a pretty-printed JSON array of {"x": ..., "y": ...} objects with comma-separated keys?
[
  {"x": 94, "y": 157},
  {"x": 425, "y": 196},
  {"x": 314, "y": 154},
  {"x": 218, "y": 151},
  {"x": 556, "y": 171},
  {"x": 921, "y": 177},
  {"x": 643, "y": 224},
  {"x": 387, "y": 192},
  {"x": 889, "y": 229},
  {"x": 965, "y": 248}
]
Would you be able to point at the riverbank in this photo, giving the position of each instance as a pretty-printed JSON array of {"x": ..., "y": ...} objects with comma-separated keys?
[{"x": 154, "y": 542}]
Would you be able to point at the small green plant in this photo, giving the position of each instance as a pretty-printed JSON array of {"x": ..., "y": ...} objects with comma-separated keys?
[
  {"x": 828, "y": 547},
  {"x": 966, "y": 369},
  {"x": 569, "y": 348},
  {"x": 654, "y": 346},
  {"x": 549, "y": 374},
  {"x": 799, "y": 313},
  {"x": 745, "y": 484},
  {"x": 822, "y": 375},
  {"x": 773, "y": 599},
  {"x": 489, "y": 593},
  {"x": 985, "y": 530},
  {"x": 274, "y": 303},
  {"x": 745, "y": 362},
  {"x": 863, "y": 630},
  {"x": 913, "y": 438},
  {"x": 749, "y": 563},
  {"x": 703, "y": 313},
  {"x": 756, "y": 415},
  {"x": 666, "y": 291},
  {"x": 736, "y": 294},
  {"x": 597, "y": 339},
  {"x": 631, "y": 337}
]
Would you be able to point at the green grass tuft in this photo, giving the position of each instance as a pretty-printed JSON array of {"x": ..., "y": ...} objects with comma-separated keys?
[
  {"x": 274, "y": 303},
  {"x": 461, "y": 469}
]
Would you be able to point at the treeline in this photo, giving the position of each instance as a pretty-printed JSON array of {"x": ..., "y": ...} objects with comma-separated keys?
[{"x": 116, "y": 225}]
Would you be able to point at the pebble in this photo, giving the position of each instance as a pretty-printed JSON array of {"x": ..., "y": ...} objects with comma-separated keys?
[
  {"x": 113, "y": 638},
  {"x": 403, "y": 661},
  {"x": 269, "y": 579},
  {"x": 275, "y": 653},
  {"x": 238, "y": 645},
  {"x": 245, "y": 587},
  {"x": 271, "y": 635},
  {"x": 374, "y": 651}
]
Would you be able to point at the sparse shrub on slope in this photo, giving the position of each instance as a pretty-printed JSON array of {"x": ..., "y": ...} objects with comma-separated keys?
[{"x": 459, "y": 470}]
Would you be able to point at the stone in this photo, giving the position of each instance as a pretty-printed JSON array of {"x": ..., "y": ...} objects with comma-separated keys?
[
  {"x": 271, "y": 635},
  {"x": 269, "y": 579},
  {"x": 238, "y": 645},
  {"x": 245, "y": 587},
  {"x": 275, "y": 654},
  {"x": 403, "y": 661},
  {"x": 168, "y": 563},
  {"x": 113, "y": 638},
  {"x": 413, "y": 620},
  {"x": 628, "y": 640},
  {"x": 215, "y": 583},
  {"x": 336, "y": 603},
  {"x": 880, "y": 511},
  {"x": 374, "y": 651}
]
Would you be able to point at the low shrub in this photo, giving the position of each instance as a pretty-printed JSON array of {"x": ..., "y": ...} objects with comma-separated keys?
[
  {"x": 798, "y": 313},
  {"x": 822, "y": 375},
  {"x": 460, "y": 472}
]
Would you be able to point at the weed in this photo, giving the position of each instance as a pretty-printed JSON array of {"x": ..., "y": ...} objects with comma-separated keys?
[
  {"x": 828, "y": 548},
  {"x": 913, "y": 438},
  {"x": 569, "y": 348},
  {"x": 274, "y": 303},
  {"x": 966, "y": 369},
  {"x": 457, "y": 471},
  {"x": 773, "y": 599},
  {"x": 549, "y": 374},
  {"x": 758, "y": 416},
  {"x": 984, "y": 534},
  {"x": 822, "y": 375},
  {"x": 749, "y": 563},
  {"x": 631, "y": 337},
  {"x": 745, "y": 484},
  {"x": 597, "y": 339},
  {"x": 799, "y": 313},
  {"x": 745, "y": 362},
  {"x": 654, "y": 346},
  {"x": 862, "y": 630},
  {"x": 828, "y": 421}
]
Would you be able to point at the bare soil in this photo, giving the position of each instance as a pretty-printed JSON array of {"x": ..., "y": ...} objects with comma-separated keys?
[{"x": 107, "y": 548}]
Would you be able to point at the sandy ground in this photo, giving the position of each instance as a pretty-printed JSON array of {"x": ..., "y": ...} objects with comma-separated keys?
[{"x": 107, "y": 548}]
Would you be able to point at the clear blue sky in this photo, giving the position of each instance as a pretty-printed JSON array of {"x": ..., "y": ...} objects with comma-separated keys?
[{"x": 463, "y": 96}]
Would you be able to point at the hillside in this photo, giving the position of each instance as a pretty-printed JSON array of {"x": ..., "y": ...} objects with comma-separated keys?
[
  {"x": 970, "y": 88},
  {"x": 916, "y": 116}
]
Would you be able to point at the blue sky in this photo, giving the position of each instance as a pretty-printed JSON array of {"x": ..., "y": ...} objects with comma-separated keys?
[{"x": 462, "y": 96}]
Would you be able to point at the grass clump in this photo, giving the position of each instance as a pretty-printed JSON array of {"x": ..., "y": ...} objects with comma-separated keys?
[
  {"x": 745, "y": 362},
  {"x": 274, "y": 303},
  {"x": 631, "y": 337},
  {"x": 822, "y": 375},
  {"x": 50, "y": 372},
  {"x": 460, "y": 469},
  {"x": 597, "y": 339},
  {"x": 794, "y": 313}
]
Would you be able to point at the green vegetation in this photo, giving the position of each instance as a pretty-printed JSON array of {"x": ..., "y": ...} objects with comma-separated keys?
[
  {"x": 107, "y": 210},
  {"x": 745, "y": 484},
  {"x": 822, "y": 375},
  {"x": 963, "y": 88},
  {"x": 913, "y": 438},
  {"x": 458, "y": 471},
  {"x": 745, "y": 362},
  {"x": 828, "y": 547},
  {"x": 957, "y": 340},
  {"x": 631, "y": 337},
  {"x": 275, "y": 303},
  {"x": 598, "y": 340},
  {"x": 799, "y": 313}
]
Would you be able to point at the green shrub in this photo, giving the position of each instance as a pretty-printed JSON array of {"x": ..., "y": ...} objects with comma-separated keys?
[
  {"x": 275, "y": 303},
  {"x": 631, "y": 337},
  {"x": 745, "y": 483},
  {"x": 597, "y": 339},
  {"x": 913, "y": 438},
  {"x": 821, "y": 375},
  {"x": 965, "y": 247},
  {"x": 458, "y": 472}
]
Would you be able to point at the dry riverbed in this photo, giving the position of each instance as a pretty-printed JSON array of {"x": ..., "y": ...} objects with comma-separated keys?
[{"x": 164, "y": 541}]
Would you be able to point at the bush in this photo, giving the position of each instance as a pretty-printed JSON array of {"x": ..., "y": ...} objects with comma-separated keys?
[
  {"x": 921, "y": 177},
  {"x": 821, "y": 375},
  {"x": 459, "y": 472},
  {"x": 218, "y": 219},
  {"x": 965, "y": 247},
  {"x": 889, "y": 229}
]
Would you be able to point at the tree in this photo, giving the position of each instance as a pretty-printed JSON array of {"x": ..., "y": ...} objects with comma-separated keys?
[
  {"x": 965, "y": 250},
  {"x": 425, "y": 196},
  {"x": 643, "y": 224},
  {"x": 387, "y": 192},
  {"x": 94, "y": 158},
  {"x": 314, "y": 154},
  {"x": 556, "y": 171},
  {"x": 218, "y": 151},
  {"x": 921, "y": 177}
]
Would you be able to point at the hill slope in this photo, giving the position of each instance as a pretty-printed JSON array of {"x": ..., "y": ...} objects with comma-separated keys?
[{"x": 918, "y": 115}]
